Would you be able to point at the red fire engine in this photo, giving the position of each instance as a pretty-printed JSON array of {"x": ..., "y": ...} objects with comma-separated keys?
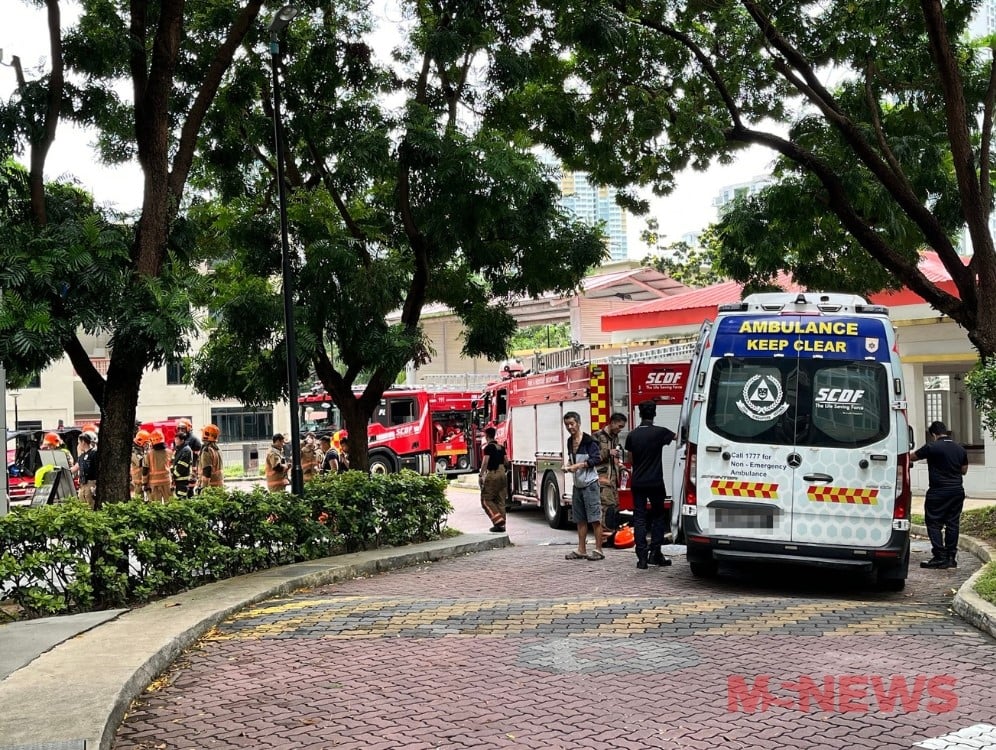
[
  {"x": 527, "y": 411},
  {"x": 412, "y": 428}
]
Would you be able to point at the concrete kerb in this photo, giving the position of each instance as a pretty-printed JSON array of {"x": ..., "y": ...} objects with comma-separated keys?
[
  {"x": 79, "y": 691},
  {"x": 966, "y": 603}
]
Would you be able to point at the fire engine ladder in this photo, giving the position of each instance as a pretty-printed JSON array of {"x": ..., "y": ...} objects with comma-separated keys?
[
  {"x": 677, "y": 351},
  {"x": 560, "y": 359},
  {"x": 467, "y": 381}
]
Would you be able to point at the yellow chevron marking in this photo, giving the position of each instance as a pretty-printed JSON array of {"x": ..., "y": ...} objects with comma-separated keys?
[
  {"x": 887, "y": 624},
  {"x": 651, "y": 617},
  {"x": 780, "y": 618}
]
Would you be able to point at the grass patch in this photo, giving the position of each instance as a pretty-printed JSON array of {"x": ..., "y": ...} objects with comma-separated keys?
[
  {"x": 986, "y": 585},
  {"x": 980, "y": 523}
]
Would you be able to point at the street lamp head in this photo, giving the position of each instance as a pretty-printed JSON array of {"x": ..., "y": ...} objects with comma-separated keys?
[{"x": 283, "y": 17}]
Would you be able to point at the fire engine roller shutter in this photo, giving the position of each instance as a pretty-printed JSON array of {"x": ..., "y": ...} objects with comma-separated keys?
[{"x": 598, "y": 387}]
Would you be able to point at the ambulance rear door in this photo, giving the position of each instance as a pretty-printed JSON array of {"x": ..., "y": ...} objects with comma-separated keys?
[
  {"x": 746, "y": 436},
  {"x": 845, "y": 482}
]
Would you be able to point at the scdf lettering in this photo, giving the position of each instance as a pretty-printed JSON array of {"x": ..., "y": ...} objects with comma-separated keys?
[
  {"x": 663, "y": 378},
  {"x": 839, "y": 395}
]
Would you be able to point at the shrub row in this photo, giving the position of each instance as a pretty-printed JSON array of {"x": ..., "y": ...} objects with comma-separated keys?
[{"x": 67, "y": 558}]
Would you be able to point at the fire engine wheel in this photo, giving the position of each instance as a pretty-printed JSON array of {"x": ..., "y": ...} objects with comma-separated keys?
[
  {"x": 556, "y": 514},
  {"x": 442, "y": 465},
  {"x": 463, "y": 462},
  {"x": 381, "y": 464}
]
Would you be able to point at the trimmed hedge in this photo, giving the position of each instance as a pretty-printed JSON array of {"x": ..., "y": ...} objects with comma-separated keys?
[{"x": 66, "y": 558}]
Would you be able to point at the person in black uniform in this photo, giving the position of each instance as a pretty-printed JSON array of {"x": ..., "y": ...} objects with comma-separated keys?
[
  {"x": 645, "y": 444},
  {"x": 947, "y": 463}
]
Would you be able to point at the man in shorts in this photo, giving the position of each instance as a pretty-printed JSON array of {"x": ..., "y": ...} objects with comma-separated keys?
[{"x": 582, "y": 458}]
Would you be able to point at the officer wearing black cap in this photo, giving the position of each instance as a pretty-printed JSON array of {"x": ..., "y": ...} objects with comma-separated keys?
[{"x": 947, "y": 463}]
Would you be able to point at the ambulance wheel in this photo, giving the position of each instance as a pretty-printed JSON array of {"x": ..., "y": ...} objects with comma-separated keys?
[
  {"x": 381, "y": 464},
  {"x": 890, "y": 584},
  {"x": 556, "y": 514},
  {"x": 890, "y": 579},
  {"x": 703, "y": 568}
]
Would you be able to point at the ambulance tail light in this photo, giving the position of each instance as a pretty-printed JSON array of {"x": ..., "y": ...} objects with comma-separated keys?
[
  {"x": 691, "y": 465},
  {"x": 904, "y": 495}
]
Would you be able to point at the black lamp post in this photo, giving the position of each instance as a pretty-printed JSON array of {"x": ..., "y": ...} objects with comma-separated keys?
[{"x": 283, "y": 17}]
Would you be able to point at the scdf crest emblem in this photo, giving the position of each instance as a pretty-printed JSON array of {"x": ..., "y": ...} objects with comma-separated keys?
[{"x": 762, "y": 398}]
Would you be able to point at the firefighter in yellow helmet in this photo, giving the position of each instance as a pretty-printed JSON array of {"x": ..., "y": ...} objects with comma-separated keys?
[
  {"x": 138, "y": 449},
  {"x": 212, "y": 472}
]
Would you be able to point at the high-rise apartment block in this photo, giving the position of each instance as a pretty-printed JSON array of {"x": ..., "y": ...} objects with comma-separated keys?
[{"x": 594, "y": 204}]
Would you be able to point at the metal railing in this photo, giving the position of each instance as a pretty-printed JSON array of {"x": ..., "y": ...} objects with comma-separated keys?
[{"x": 674, "y": 351}]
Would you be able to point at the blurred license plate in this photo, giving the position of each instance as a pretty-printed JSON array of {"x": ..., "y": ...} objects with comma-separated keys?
[{"x": 728, "y": 518}]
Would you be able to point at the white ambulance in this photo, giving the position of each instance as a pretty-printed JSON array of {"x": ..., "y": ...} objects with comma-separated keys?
[{"x": 794, "y": 440}]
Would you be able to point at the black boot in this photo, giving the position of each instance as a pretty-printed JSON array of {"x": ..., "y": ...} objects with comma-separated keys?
[
  {"x": 936, "y": 562},
  {"x": 657, "y": 558},
  {"x": 952, "y": 562},
  {"x": 641, "y": 560}
]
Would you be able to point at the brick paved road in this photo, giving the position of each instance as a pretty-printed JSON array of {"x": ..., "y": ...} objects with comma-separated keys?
[{"x": 519, "y": 648}]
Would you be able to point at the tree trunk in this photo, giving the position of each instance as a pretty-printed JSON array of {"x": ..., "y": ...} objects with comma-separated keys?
[
  {"x": 355, "y": 421},
  {"x": 117, "y": 427}
]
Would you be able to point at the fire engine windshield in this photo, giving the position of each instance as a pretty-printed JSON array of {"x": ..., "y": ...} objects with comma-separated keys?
[{"x": 802, "y": 402}]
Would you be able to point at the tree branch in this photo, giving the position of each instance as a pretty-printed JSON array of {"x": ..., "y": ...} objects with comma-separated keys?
[
  {"x": 93, "y": 381},
  {"x": 876, "y": 117},
  {"x": 809, "y": 85},
  {"x": 985, "y": 161},
  {"x": 40, "y": 146},
  {"x": 184, "y": 156},
  {"x": 355, "y": 230},
  {"x": 839, "y": 202}
]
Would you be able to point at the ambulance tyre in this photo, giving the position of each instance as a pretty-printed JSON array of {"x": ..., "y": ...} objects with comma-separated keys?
[
  {"x": 889, "y": 584},
  {"x": 382, "y": 463},
  {"x": 703, "y": 568},
  {"x": 701, "y": 562},
  {"x": 556, "y": 514}
]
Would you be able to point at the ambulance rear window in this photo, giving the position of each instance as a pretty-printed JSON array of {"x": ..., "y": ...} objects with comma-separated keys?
[
  {"x": 800, "y": 402},
  {"x": 849, "y": 404}
]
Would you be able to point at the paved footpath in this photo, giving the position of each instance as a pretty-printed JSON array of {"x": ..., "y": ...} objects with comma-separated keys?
[{"x": 518, "y": 648}]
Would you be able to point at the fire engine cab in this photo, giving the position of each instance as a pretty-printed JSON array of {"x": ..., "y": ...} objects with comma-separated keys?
[
  {"x": 527, "y": 409},
  {"x": 411, "y": 428}
]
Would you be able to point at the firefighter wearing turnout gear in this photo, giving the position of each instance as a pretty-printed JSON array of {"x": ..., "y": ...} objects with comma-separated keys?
[
  {"x": 311, "y": 457},
  {"x": 182, "y": 468},
  {"x": 212, "y": 473},
  {"x": 609, "y": 473},
  {"x": 138, "y": 449},
  {"x": 155, "y": 469},
  {"x": 277, "y": 469},
  {"x": 86, "y": 469},
  {"x": 494, "y": 485},
  {"x": 184, "y": 428}
]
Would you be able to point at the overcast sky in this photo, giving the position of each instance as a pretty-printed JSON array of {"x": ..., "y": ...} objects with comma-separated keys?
[{"x": 24, "y": 34}]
